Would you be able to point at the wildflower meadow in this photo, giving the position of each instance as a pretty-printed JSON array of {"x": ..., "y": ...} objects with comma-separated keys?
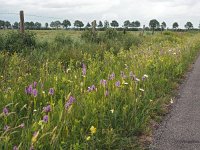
[{"x": 82, "y": 93}]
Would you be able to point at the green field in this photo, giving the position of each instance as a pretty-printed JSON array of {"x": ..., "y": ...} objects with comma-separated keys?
[{"x": 81, "y": 91}]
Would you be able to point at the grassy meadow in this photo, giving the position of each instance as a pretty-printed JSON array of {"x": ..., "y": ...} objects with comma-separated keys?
[{"x": 83, "y": 91}]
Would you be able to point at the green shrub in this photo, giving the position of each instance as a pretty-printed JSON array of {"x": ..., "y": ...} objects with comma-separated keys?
[
  {"x": 17, "y": 42},
  {"x": 63, "y": 40},
  {"x": 2, "y": 42},
  {"x": 89, "y": 36},
  {"x": 131, "y": 40}
]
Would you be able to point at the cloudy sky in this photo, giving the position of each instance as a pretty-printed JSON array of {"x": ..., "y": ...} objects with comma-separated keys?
[{"x": 169, "y": 11}]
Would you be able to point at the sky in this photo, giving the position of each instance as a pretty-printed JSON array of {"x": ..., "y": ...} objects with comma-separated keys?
[{"x": 170, "y": 11}]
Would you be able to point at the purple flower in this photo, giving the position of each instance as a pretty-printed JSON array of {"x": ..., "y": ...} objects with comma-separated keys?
[
  {"x": 5, "y": 111},
  {"x": 46, "y": 118},
  {"x": 34, "y": 84},
  {"x": 117, "y": 84},
  {"x": 51, "y": 91},
  {"x": 47, "y": 109},
  {"x": 133, "y": 77},
  {"x": 106, "y": 93},
  {"x": 131, "y": 74},
  {"x": 89, "y": 89},
  {"x": 15, "y": 148},
  {"x": 22, "y": 125},
  {"x": 92, "y": 88},
  {"x": 144, "y": 77},
  {"x": 6, "y": 127},
  {"x": 29, "y": 89},
  {"x": 69, "y": 102},
  {"x": 112, "y": 76},
  {"x": 32, "y": 148},
  {"x": 84, "y": 69},
  {"x": 123, "y": 75},
  {"x": 35, "y": 92},
  {"x": 103, "y": 82}
]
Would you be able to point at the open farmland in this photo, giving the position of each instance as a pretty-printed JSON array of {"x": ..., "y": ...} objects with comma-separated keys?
[{"x": 79, "y": 90}]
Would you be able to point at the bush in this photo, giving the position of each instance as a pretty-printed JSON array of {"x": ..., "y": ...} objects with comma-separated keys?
[
  {"x": 63, "y": 40},
  {"x": 89, "y": 36},
  {"x": 17, "y": 42},
  {"x": 131, "y": 40},
  {"x": 1, "y": 42}
]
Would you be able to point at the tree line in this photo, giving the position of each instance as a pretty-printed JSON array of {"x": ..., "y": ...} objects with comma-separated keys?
[{"x": 153, "y": 25}]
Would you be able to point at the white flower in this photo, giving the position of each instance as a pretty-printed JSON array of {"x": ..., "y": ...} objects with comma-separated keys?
[
  {"x": 68, "y": 70},
  {"x": 141, "y": 90},
  {"x": 136, "y": 79}
]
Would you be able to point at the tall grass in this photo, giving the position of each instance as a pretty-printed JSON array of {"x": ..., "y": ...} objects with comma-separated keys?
[{"x": 75, "y": 94}]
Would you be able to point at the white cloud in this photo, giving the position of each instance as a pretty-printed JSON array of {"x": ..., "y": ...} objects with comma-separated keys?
[{"x": 87, "y": 10}]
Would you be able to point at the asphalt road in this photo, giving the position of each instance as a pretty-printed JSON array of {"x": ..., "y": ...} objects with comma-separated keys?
[{"x": 180, "y": 130}]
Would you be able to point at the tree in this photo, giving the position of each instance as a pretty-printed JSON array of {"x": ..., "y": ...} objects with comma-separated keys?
[
  {"x": 37, "y": 25},
  {"x": 164, "y": 25},
  {"x": 16, "y": 25},
  {"x": 31, "y": 25},
  {"x": 2, "y": 24},
  {"x": 132, "y": 24},
  {"x": 188, "y": 25},
  {"x": 52, "y": 24},
  {"x": 66, "y": 23},
  {"x": 137, "y": 24},
  {"x": 27, "y": 25},
  {"x": 46, "y": 25},
  {"x": 106, "y": 24},
  {"x": 154, "y": 24},
  {"x": 88, "y": 25},
  {"x": 7, "y": 24},
  {"x": 175, "y": 25},
  {"x": 114, "y": 24},
  {"x": 100, "y": 24},
  {"x": 78, "y": 24},
  {"x": 127, "y": 23},
  {"x": 57, "y": 24}
]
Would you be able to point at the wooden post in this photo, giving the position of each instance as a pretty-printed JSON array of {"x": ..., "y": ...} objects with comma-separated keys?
[
  {"x": 143, "y": 29},
  {"x": 94, "y": 26},
  {"x": 21, "y": 21}
]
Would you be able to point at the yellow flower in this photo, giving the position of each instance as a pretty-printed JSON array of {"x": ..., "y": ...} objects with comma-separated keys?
[
  {"x": 34, "y": 138},
  {"x": 93, "y": 130},
  {"x": 88, "y": 138},
  {"x": 112, "y": 111}
]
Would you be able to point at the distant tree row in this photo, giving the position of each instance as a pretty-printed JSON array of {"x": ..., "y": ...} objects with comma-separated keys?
[
  {"x": 32, "y": 25},
  {"x": 5, "y": 24},
  {"x": 153, "y": 24}
]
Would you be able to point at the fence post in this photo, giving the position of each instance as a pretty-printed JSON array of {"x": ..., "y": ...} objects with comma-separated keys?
[
  {"x": 94, "y": 24},
  {"x": 21, "y": 21},
  {"x": 143, "y": 29}
]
